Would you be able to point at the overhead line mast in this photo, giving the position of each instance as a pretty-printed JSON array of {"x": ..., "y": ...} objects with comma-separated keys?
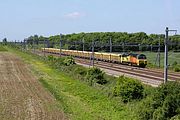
[{"x": 166, "y": 53}]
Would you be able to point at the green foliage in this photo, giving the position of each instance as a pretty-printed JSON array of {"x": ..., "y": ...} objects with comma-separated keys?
[
  {"x": 80, "y": 71},
  {"x": 2, "y": 49},
  {"x": 177, "y": 69},
  {"x": 128, "y": 89},
  {"x": 139, "y": 38},
  {"x": 51, "y": 58},
  {"x": 95, "y": 75},
  {"x": 58, "y": 62},
  {"x": 176, "y": 66},
  {"x": 163, "y": 104},
  {"x": 69, "y": 61},
  {"x": 5, "y": 41},
  {"x": 174, "y": 63},
  {"x": 177, "y": 117}
]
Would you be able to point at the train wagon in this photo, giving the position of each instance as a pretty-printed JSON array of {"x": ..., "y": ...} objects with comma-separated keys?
[
  {"x": 116, "y": 58},
  {"x": 129, "y": 59},
  {"x": 98, "y": 56},
  {"x": 125, "y": 58},
  {"x": 106, "y": 57}
]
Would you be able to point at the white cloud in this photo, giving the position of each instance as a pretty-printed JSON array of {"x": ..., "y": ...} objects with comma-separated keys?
[{"x": 74, "y": 15}]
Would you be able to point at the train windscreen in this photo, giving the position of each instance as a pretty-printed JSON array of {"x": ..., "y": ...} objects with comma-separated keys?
[{"x": 141, "y": 56}]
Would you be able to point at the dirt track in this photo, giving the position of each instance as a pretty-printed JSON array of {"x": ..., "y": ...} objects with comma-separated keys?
[{"x": 22, "y": 97}]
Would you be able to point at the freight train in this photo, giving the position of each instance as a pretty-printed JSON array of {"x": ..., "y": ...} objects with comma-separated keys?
[{"x": 125, "y": 58}]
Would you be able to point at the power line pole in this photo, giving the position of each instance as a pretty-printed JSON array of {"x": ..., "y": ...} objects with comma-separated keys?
[
  {"x": 166, "y": 54},
  {"x": 92, "y": 54},
  {"x": 44, "y": 48},
  {"x": 24, "y": 45},
  {"x": 158, "y": 57},
  {"x": 60, "y": 45},
  {"x": 159, "y": 53},
  {"x": 123, "y": 46},
  {"x": 110, "y": 42},
  {"x": 83, "y": 43}
]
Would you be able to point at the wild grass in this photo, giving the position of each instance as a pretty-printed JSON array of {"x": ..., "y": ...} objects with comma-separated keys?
[{"x": 2, "y": 49}]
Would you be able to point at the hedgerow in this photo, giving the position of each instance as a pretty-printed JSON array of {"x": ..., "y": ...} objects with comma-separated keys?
[{"x": 95, "y": 75}]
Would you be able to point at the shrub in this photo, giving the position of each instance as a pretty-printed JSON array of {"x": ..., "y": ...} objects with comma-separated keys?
[
  {"x": 177, "y": 117},
  {"x": 174, "y": 63},
  {"x": 80, "y": 70},
  {"x": 145, "y": 109},
  {"x": 128, "y": 89},
  {"x": 177, "y": 69},
  {"x": 69, "y": 61},
  {"x": 50, "y": 58},
  {"x": 164, "y": 103},
  {"x": 95, "y": 75}
]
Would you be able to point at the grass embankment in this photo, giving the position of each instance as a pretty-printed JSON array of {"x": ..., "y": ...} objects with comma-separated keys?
[
  {"x": 112, "y": 100},
  {"x": 2, "y": 49},
  {"x": 75, "y": 97}
]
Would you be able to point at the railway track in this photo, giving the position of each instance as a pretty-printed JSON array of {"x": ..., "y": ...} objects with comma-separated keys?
[
  {"x": 148, "y": 76},
  {"x": 171, "y": 76}
]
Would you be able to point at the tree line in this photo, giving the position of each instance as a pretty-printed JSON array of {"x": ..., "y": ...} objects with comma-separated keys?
[{"x": 117, "y": 38}]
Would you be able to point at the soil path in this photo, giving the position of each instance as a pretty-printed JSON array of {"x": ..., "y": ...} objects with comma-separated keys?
[{"x": 22, "y": 97}]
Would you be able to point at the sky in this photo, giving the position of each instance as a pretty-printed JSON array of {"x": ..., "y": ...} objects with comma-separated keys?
[{"x": 23, "y": 18}]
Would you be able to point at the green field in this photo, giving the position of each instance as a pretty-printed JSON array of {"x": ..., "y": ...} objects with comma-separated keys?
[{"x": 172, "y": 57}]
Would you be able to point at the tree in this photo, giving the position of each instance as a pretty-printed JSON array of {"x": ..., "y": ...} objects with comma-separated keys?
[{"x": 5, "y": 41}]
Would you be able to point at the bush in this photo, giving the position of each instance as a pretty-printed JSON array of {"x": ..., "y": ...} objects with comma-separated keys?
[
  {"x": 128, "y": 89},
  {"x": 164, "y": 104},
  {"x": 80, "y": 71},
  {"x": 145, "y": 109},
  {"x": 50, "y": 58},
  {"x": 69, "y": 61},
  {"x": 174, "y": 63},
  {"x": 177, "y": 117},
  {"x": 176, "y": 69},
  {"x": 95, "y": 75}
]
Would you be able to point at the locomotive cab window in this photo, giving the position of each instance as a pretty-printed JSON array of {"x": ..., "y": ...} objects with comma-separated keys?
[{"x": 142, "y": 57}]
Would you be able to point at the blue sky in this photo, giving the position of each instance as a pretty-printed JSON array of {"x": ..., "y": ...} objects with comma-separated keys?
[{"x": 22, "y": 18}]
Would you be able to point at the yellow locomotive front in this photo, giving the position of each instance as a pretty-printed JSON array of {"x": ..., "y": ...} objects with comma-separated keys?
[{"x": 141, "y": 60}]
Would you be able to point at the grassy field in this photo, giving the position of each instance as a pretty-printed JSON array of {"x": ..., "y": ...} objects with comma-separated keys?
[
  {"x": 79, "y": 100},
  {"x": 172, "y": 57}
]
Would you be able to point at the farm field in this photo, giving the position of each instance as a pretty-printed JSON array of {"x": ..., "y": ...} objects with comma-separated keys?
[
  {"x": 172, "y": 57},
  {"x": 21, "y": 94}
]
